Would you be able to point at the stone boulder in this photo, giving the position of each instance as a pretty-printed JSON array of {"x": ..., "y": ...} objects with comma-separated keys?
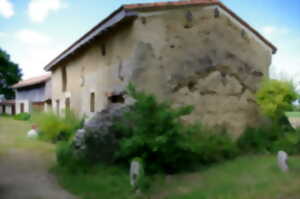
[{"x": 97, "y": 140}]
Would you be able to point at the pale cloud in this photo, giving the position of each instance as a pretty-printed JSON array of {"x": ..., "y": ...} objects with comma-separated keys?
[
  {"x": 34, "y": 51},
  {"x": 33, "y": 60},
  {"x": 39, "y": 10},
  {"x": 286, "y": 62},
  {"x": 271, "y": 31},
  {"x": 6, "y": 8},
  {"x": 32, "y": 37}
]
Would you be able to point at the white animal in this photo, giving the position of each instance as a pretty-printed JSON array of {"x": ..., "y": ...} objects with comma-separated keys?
[{"x": 32, "y": 133}]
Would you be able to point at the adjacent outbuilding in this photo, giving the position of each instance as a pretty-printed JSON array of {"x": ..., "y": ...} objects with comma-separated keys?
[
  {"x": 33, "y": 94},
  {"x": 7, "y": 107}
]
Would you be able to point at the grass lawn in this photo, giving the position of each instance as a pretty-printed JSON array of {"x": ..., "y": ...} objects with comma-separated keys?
[
  {"x": 101, "y": 182},
  {"x": 247, "y": 177},
  {"x": 244, "y": 178},
  {"x": 15, "y": 137}
]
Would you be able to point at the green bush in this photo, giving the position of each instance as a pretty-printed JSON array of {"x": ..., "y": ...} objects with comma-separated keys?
[
  {"x": 276, "y": 97},
  {"x": 289, "y": 142},
  {"x": 22, "y": 116},
  {"x": 55, "y": 128},
  {"x": 260, "y": 139},
  {"x": 214, "y": 146},
  {"x": 154, "y": 132},
  {"x": 67, "y": 159},
  {"x": 270, "y": 139}
]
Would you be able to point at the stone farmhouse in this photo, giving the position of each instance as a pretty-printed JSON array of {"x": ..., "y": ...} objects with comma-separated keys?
[
  {"x": 196, "y": 52},
  {"x": 33, "y": 94}
]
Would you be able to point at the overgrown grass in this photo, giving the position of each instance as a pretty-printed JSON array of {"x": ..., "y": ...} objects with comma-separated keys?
[
  {"x": 99, "y": 182},
  {"x": 244, "y": 178},
  {"x": 56, "y": 128},
  {"x": 13, "y": 136}
]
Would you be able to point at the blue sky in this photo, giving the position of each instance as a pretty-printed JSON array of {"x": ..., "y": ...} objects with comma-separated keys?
[{"x": 35, "y": 31}]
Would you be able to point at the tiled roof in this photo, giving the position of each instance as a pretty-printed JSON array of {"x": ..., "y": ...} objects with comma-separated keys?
[
  {"x": 32, "y": 81},
  {"x": 7, "y": 102},
  {"x": 169, "y": 3},
  {"x": 128, "y": 11}
]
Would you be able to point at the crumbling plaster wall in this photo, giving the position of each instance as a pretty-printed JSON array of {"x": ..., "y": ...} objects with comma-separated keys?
[
  {"x": 92, "y": 71},
  {"x": 203, "y": 57}
]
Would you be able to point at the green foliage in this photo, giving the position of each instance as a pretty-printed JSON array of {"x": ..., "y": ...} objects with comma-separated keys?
[
  {"x": 212, "y": 147},
  {"x": 10, "y": 74},
  {"x": 269, "y": 139},
  {"x": 276, "y": 97},
  {"x": 55, "y": 128},
  {"x": 67, "y": 159},
  {"x": 289, "y": 142},
  {"x": 22, "y": 116},
  {"x": 259, "y": 140},
  {"x": 153, "y": 131}
]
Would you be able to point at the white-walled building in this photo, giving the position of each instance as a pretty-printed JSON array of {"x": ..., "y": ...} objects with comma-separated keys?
[
  {"x": 33, "y": 94},
  {"x": 7, "y": 107}
]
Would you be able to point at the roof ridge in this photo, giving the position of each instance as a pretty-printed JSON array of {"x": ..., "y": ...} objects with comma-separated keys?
[
  {"x": 169, "y": 3},
  {"x": 32, "y": 81}
]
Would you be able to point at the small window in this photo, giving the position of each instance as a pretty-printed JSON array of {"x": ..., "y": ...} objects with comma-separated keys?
[
  {"x": 68, "y": 104},
  {"x": 57, "y": 107},
  {"x": 92, "y": 103},
  {"x": 64, "y": 79},
  {"x": 119, "y": 98}
]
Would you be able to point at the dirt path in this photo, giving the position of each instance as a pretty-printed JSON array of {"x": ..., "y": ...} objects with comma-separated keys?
[{"x": 25, "y": 164}]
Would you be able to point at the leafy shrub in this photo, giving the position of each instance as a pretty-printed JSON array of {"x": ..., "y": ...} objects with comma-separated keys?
[
  {"x": 276, "y": 97},
  {"x": 260, "y": 139},
  {"x": 55, "y": 128},
  {"x": 67, "y": 159},
  {"x": 153, "y": 131},
  {"x": 289, "y": 142},
  {"x": 22, "y": 116},
  {"x": 212, "y": 147},
  {"x": 270, "y": 139}
]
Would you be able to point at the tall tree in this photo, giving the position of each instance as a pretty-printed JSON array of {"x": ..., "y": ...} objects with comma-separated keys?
[{"x": 10, "y": 73}]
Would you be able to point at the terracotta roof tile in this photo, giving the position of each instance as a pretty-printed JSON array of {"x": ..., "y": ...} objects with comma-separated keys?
[
  {"x": 169, "y": 3},
  {"x": 32, "y": 81}
]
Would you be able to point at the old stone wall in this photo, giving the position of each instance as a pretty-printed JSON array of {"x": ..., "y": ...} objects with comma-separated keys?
[{"x": 202, "y": 57}]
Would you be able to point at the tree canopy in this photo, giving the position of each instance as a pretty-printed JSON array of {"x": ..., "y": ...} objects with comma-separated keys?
[{"x": 10, "y": 73}]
